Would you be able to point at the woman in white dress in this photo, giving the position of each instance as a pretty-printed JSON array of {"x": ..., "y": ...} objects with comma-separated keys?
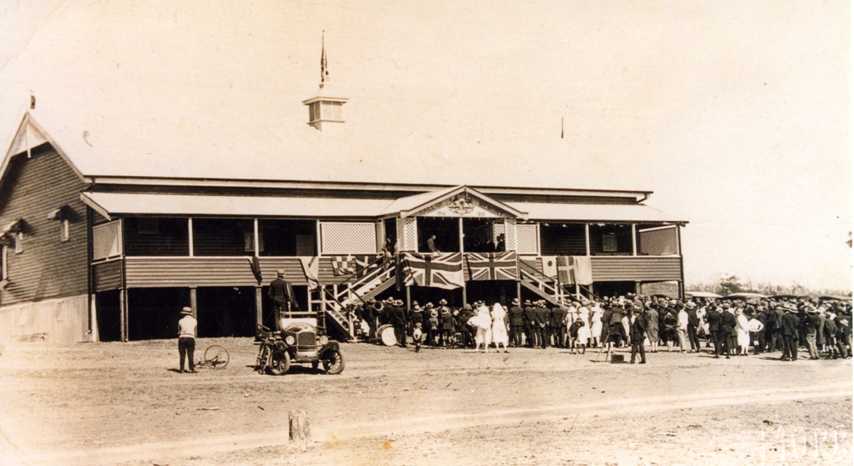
[
  {"x": 482, "y": 323},
  {"x": 499, "y": 327},
  {"x": 584, "y": 330},
  {"x": 742, "y": 332},
  {"x": 596, "y": 324}
]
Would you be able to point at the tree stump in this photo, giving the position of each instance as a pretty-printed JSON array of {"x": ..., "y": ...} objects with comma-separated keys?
[{"x": 299, "y": 428}]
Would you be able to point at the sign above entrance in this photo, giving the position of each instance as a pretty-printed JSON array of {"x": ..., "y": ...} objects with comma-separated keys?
[
  {"x": 462, "y": 205},
  {"x": 459, "y": 201}
]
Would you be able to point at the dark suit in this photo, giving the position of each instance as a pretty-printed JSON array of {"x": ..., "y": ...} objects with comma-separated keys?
[
  {"x": 559, "y": 316},
  {"x": 728, "y": 324},
  {"x": 398, "y": 321},
  {"x": 637, "y": 333},
  {"x": 791, "y": 322},
  {"x": 554, "y": 316},
  {"x": 531, "y": 328},
  {"x": 713, "y": 317},
  {"x": 693, "y": 324},
  {"x": 543, "y": 326},
  {"x": 279, "y": 293},
  {"x": 517, "y": 324}
]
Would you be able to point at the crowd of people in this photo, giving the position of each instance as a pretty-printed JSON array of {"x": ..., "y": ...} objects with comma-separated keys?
[{"x": 726, "y": 328}]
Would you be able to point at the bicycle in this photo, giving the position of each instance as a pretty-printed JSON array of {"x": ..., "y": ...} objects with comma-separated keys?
[{"x": 215, "y": 357}]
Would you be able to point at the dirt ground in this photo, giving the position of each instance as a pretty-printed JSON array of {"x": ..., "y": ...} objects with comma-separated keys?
[{"x": 114, "y": 403}]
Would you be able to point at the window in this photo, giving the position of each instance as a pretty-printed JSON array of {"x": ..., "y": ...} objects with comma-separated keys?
[
  {"x": 106, "y": 240},
  {"x": 611, "y": 239},
  {"x": 19, "y": 242},
  {"x": 64, "y": 230},
  {"x": 147, "y": 226}
]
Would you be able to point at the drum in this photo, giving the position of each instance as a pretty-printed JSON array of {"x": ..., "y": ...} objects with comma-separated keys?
[{"x": 385, "y": 333}]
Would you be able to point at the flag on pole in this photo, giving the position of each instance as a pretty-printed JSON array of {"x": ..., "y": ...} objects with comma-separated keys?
[
  {"x": 311, "y": 269},
  {"x": 255, "y": 266},
  {"x": 573, "y": 270}
]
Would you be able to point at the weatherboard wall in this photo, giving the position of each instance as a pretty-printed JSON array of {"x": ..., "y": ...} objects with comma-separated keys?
[{"x": 47, "y": 267}]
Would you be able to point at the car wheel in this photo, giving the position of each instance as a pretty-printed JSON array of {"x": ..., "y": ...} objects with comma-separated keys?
[
  {"x": 334, "y": 364},
  {"x": 280, "y": 364}
]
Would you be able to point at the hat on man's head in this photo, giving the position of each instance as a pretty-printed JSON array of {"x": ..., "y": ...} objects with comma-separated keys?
[
  {"x": 187, "y": 311},
  {"x": 443, "y": 302},
  {"x": 516, "y": 301}
]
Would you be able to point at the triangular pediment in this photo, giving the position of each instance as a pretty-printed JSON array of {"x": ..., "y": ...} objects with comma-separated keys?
[
  {"x": 461, "y": 201},
  {"x": 27, "y": 137}
]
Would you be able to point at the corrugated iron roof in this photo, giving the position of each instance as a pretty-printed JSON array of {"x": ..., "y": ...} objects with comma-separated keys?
[
  {"x": 593, "y": 212},
  {"x": 299, "y": 206}
]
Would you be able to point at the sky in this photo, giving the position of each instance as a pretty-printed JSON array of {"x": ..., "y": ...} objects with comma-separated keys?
[{"x": 735, "y": 113}]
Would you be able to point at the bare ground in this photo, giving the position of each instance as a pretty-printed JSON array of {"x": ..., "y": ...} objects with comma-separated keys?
[{"x": 114, "y": 403}]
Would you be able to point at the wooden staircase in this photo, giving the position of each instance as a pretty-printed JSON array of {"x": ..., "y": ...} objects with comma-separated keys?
[
  {"x": 330, "y": 301},
  {"x": 541, "y": 284}
]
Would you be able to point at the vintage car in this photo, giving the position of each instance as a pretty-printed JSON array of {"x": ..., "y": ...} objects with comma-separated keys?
[{"x": 297, "y": 343}]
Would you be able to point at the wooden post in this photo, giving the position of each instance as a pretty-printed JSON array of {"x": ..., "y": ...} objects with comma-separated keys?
[
  {"x": 259, "y": 307},
  {"x": 634, "y": 239},
  {"x": 190, "y": 236},
  {"x": 299, "y": 428},
  {"x": 465, "y": 297},
  {"x": 587, "y": 238},
  {"x": 577, "y": 291},
  {"x": 94, "y": 337},
  {"x": 462, "y": 235},
  {"x": 519, "y": 291},
  {"x": 123, "y": 313},
  {"x": 256, "y": 237},
  {"x": 194, "y": 303},
  {"x": 408, "y": 298}
]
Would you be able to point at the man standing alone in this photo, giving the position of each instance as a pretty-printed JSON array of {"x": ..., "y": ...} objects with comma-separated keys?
[
  {"x": 187, "y": 339},
  {"x": 637, "y": 333},
  {"x": 281, "y": 297}
]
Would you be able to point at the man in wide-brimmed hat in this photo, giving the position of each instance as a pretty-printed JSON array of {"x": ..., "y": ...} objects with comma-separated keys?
[{"x": 186, "y": 339}]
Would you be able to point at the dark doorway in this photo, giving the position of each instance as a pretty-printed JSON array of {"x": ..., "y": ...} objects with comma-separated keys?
[
  {"x": 563, "y": 239},
  {"x": 390, "y": 226},
  {"x": 446, "y": 229},
  {"x": 108, "y": 315},
  {"x": 610, "y": 239},
  {"x": 287, "y": 237},
  {"x": 226, "y": 312},
  {"x": 491, "y": 291},
  {"x": 154, "y": 312},
  {"x": 483, "y": 235},
  {"x": 603, "y": 289}
]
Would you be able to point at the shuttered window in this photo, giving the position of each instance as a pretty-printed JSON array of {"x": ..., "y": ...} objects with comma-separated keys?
[
  {"x": 348, "y": 238},
  {"x": 106, "y": 240},
  {"x": 527, "y": 239}
]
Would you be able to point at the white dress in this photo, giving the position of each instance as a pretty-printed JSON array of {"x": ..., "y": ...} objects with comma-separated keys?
[
  {"x": 596, "y": 322},
  {"x": 483, "y": 322},
  {"x": 584, "y": 333},
  {"x": 499, "y": 325},
  {"x": 742, "y": 331}
]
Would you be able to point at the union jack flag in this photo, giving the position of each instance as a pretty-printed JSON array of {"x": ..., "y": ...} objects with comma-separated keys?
[
  {"x": 437, "y": 270},
  {"x": 492, "y": 265}
]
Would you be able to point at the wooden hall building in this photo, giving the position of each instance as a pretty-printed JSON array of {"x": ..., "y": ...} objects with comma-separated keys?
[
  {"x": 107, "y": 231},
  {"x": 110, "y": 257}
]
